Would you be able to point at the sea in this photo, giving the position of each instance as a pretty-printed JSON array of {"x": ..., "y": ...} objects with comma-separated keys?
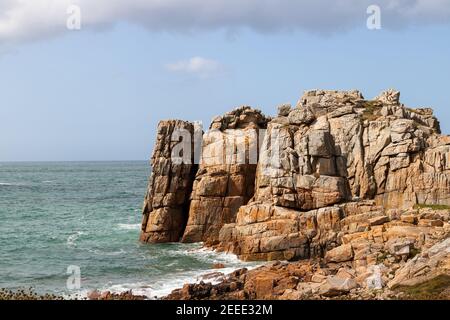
[{"x": 68, "y": 228}]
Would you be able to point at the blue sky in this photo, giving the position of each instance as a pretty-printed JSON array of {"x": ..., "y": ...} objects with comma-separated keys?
[{"x": 98, "y": 93}]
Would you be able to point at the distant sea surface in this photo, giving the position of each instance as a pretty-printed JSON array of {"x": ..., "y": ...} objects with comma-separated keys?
[{"x": 88, "y": 214}]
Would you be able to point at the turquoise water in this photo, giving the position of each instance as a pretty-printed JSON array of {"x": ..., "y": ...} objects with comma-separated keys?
[{"x": 88, "y": 214}]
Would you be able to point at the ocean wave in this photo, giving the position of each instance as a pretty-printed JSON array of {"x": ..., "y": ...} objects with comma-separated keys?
[
  {"x": 164, "y": 286},
  {"x": 78, "y": 295},
  {"x": 211, "y": 256},
  {"x": 16, "y": 184},
  {"x": 129, "y": 226},
  {"x": 7, "y": 184},
  {"x": 107, "y": 253},
  {"x": 161, "y": 286},
  {"x": 71, "y": 240},
  {"x": 157, "y": 288}
]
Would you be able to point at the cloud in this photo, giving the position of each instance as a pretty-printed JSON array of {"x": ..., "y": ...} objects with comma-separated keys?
[
  {"x": 198, "y": 66},
  {"x": 24, "y": 20}
]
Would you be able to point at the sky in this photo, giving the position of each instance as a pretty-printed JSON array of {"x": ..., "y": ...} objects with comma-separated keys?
[{"x": 98, "y": 93}]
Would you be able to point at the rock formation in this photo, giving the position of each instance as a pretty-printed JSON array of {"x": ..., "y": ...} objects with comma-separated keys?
[
  {"x": 226, "y": 178},
  {"x": 190, "y": 202},
  {"x": 357, "y": 190},
  {"x": 403, "y": 256},
  {"x": 342, "y": 161},
  {"x": 166, "y": 203},
  {"x": 330, "y": 167}
]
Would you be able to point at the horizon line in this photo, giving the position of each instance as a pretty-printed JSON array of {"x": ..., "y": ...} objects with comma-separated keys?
[{"x": 50, "y": 161}]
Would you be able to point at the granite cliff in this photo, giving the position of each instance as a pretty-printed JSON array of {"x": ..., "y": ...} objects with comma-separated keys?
[{"x": 337, "y": 178}]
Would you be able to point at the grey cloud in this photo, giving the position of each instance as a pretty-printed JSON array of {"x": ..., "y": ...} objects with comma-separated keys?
[{"x": 37, "y": 19}]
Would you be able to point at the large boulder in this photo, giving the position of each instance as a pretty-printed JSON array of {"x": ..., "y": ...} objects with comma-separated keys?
[
  {"x": 335, "y": 286},
  {"x": 340, "y": 254},
  {"x": 426, "y": 266},
  {"x": 390, "y": 96},
  {"x": 301, "y": 115}
]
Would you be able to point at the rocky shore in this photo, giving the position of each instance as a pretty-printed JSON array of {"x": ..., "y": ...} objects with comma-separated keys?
[
  {"x": 386, "y": 262},
  {"x": 351, "y": 194}
]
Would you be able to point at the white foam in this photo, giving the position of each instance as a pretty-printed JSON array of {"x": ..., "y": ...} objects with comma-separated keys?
[
  {"x": 71, "y": 240},
  {"x": 107, "y": 253},
  {"x": 81, "y": 294},
  {"x": 157, "y": 288},
  {"x": 165, "y": 285},
  {"x": 19, "y": 184},
  {"x": 210, "y": 256},
  {"x": 129, "y": 226}
]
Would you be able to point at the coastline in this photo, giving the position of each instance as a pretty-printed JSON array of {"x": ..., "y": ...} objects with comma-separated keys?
[
  {"x": 221, "y": 264},
  {"x": 229, "y": 286},
  {"x": 355, "y": 189}
]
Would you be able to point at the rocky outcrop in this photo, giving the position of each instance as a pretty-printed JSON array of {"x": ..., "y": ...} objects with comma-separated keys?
[
  {"x": 387, "y": 259},
  {"x": 319, "y": 161},
  {"x": 166, "y": 203},
  {"x": 267, "y": 232},
  {"x": 335, "y": 168},
  {"x": 191, "y": 202},
  {"x": 336, "y": 146},
  {"x": 226, "y": 177},
  {"x": 299, "y": 167},
  {"x": 356, "y": 192}
]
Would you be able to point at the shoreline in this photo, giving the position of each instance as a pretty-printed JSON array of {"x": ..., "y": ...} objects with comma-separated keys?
[
  {"x": 230, "y": 286},
  {"x": 222, "y": 264},
  {"x": 307, "y": 279}
]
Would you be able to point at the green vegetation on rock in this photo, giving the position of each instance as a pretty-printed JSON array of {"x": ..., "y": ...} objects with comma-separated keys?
[
  {"x": 371, "y": 110},
  {"x": 432, "y": 206},
  {"x": 434, "y": 289}
]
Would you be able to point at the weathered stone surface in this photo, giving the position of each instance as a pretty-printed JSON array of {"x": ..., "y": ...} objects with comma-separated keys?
[
  {"x": 425, "y": 266},
  {"x": 378, "y": 220},
  {"x": 366, "y": 266},
  {"x": 390, "y": 96},
  {"x": 166, "y": 202},
  {"x": 302, "y": 115},
  {"x": 327, "y": 101},
  {"x": 335, "y": 286},
  {"x": 284, "y": 110},
  {"x": 340, "y": 254},
  {"x": 299, "y": 168},
  {"x": 266, "y": 232},
  {"x": 344, "y": 151},
  {"x": 400, "y": 246},
  {"x": 226, "y": 177},
  {"x": 244, "y": 117}
]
